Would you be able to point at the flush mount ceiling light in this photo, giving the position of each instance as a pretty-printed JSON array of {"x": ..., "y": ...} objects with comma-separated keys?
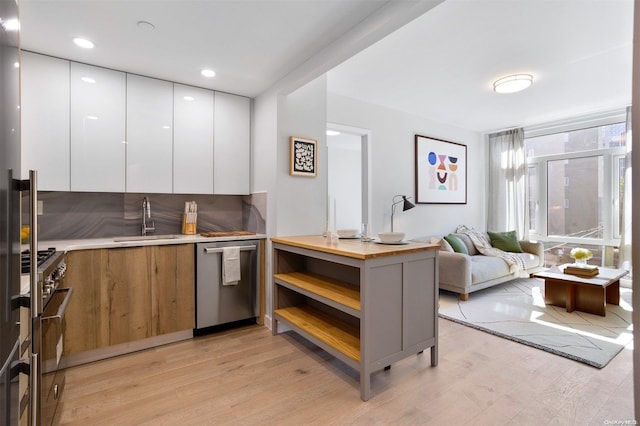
[
  {"x": 512, "y": 83},
  {"x": 82, "y": 42},
  {"x": 332, "y": 133},
  {"x": 208, "y": 73},
  {"x": 88, "y": 80}
]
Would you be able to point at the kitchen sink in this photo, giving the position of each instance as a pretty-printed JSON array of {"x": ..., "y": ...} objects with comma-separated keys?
[{"x": 144, "y": 238}]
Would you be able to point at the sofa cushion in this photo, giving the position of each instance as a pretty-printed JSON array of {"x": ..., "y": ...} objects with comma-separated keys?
[
  {"x": 444, "y": 244},
  {"x": 486, "y": 268},
  {"x": 457, "y": 245},
  {"x": 505, "y": 241},
  {"x": 471, "y": 248}
]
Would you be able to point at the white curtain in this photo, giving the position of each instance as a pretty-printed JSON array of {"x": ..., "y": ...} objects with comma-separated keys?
[
  {"x": 507, "y": 201},
  {"x": 624, "y": 257}
]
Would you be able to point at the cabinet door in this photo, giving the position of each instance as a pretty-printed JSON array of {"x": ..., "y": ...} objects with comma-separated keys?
[
  {"x": 172, "y": 288},
  {"x": 111, "y": 298},
  {"x": 87, "y": 317},
  {"x": 193, "y": 140},
  {"x": 231, "y": 144},
  {"x": 97, "y": 129},
  {"x": 149, "y": 135},
  {"x": 45, "y": 120}
]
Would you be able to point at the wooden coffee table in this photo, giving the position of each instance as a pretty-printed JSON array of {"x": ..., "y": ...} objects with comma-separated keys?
[{"x": 582, "y": 294}]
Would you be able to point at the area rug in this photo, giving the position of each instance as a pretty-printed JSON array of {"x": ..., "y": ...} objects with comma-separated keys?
[{"x": 516, "y": 311}]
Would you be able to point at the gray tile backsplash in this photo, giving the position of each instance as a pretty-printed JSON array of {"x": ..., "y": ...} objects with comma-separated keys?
[{"x": 76, "y": 215}]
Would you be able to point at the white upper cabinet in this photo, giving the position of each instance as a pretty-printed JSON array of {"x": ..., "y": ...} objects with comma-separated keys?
[
  {"x": 88, "y": 128},
  {"x": 149, "y": 135},
  {"x": 192, "y": 140},
  {"x": 97, "y": 129},
  {"x": 231, "y": 144},
  {"x": 45, "y": 120}
]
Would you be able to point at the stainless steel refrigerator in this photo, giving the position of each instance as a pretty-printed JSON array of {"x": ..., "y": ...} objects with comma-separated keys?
[{"x": 9, "y": 212}]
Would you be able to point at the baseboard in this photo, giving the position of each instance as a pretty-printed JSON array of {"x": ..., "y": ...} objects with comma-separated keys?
[{"x": 124, "y": 348}]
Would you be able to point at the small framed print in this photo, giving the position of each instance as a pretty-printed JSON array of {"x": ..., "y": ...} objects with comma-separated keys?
[{"x": 303, "y": 159}]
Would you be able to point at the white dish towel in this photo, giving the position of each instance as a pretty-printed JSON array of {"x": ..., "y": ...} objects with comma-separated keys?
[{"x": 230, "y": 265}]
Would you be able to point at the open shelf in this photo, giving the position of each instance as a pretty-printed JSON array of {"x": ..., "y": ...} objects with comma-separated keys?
[
  {"x": 327, "y": 288},
  {"x": 338, "y": 334},
  {"x": 367, "y": 308}
]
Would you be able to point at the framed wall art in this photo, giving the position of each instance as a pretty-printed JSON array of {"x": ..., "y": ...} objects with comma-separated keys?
[
  {"x": 441, "y": 171},
  {"x": 303, "y": 159}
]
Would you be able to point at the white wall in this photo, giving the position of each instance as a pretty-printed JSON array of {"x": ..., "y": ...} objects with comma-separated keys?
[
  {"x": 264, "y": 154},
  {"x": 635, "y": 179},
  {"x": 392, "y": 167},
  {"x": 295, "y": 205},
  {"x": 301, "y": 201}
]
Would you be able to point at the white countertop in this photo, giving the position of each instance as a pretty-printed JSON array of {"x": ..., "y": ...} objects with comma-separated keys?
[
  {"x": 137, "y": 241},
  {"x": 127, "y": 241}
]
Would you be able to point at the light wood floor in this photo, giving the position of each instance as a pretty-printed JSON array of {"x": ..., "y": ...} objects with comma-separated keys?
[{"x": 249, "y": 377}]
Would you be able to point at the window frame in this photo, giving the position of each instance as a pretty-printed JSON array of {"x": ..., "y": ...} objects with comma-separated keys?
[{"x": 611, "y": 235}]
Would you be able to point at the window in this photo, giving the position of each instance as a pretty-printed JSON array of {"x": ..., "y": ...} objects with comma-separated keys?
[{"x": 575, "y": 182}]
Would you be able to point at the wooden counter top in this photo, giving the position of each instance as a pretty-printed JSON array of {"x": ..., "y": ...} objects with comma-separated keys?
[{"x": 353, "y": 247}]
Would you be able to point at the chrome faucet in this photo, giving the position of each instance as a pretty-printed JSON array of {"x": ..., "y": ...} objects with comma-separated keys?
[{"x": 146, "y": 214}]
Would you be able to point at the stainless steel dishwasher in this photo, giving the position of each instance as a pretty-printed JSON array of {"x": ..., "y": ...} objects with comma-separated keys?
[{"x": 216, "y": 303}]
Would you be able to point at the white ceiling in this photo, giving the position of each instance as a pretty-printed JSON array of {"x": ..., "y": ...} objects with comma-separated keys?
[
  {"x": 251, "y": 44},
  {"x": 443, "y": 64},
  {"x": 439, "y": 66}
]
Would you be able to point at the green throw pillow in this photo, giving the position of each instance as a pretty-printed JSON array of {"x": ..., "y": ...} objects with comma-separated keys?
[
  {"x": 457, "y": 245},
  {"x": 505, "y": 241}
]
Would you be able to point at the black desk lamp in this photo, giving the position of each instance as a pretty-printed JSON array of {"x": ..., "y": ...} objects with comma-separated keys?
[{"x": 407, "y": 205}]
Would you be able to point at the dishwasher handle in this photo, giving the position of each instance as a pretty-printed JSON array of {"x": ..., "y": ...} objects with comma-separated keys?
[{"x": 219, "y": 249}]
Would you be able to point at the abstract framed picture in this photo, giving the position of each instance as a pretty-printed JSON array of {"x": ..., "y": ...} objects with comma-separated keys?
[
  {"x": 303, "y": 159},
  {"x": 441, "y": 171}
]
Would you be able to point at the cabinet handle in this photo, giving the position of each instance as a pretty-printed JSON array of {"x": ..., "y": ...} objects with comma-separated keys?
[{"x": 219, "y": 250}]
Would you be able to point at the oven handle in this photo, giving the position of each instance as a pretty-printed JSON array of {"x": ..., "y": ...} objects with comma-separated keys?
[
  {"x": 219, "y": 249},
  {"x": 63, "y": 306}
]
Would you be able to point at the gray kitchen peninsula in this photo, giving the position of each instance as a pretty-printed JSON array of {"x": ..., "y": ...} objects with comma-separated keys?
[{"x": 367, "y": 304}]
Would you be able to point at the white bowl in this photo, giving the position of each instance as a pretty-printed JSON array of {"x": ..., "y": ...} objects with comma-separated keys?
[
  {"x": 347, "y": 233},
  {"x": 391, "y": 237}
]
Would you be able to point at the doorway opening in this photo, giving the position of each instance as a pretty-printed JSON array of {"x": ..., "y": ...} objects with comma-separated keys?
[{"x": 348, "y": 174}]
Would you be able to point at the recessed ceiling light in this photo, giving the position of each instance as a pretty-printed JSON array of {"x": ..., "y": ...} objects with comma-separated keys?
[
  {"x": 88, "y": 80},
  {"x": 82, "y": 42},
  {"x": 146, "y": 25},
  {"x": 208, "y": 73},
  {"x": 189, "y": 98},
  {"x": 10, "y": 24},
  {"x": 332, "y": 133},
  {"x": 512, "y": 83}
]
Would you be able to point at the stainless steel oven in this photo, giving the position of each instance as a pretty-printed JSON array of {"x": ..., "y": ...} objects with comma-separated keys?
[
  {"x": 47, "y": 302},
  {"x": 52, "y": 350}
]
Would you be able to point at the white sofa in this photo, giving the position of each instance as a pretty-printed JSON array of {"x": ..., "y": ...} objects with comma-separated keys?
[{"x": 465, "y": 273}]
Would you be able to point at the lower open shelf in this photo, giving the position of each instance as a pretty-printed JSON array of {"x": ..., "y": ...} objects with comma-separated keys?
[{"x": 338, "y": 334}]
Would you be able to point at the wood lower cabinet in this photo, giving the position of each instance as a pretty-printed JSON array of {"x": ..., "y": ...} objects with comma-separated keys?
[
  {"x": 122, "y": 295},
  {"x": 369, "y": 305}
]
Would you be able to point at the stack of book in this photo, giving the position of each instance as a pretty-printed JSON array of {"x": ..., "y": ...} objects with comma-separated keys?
[{"x": 584, "y": 271}]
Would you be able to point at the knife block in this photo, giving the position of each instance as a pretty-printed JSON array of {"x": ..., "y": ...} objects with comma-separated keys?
[{"x": 189, "y": 228}]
